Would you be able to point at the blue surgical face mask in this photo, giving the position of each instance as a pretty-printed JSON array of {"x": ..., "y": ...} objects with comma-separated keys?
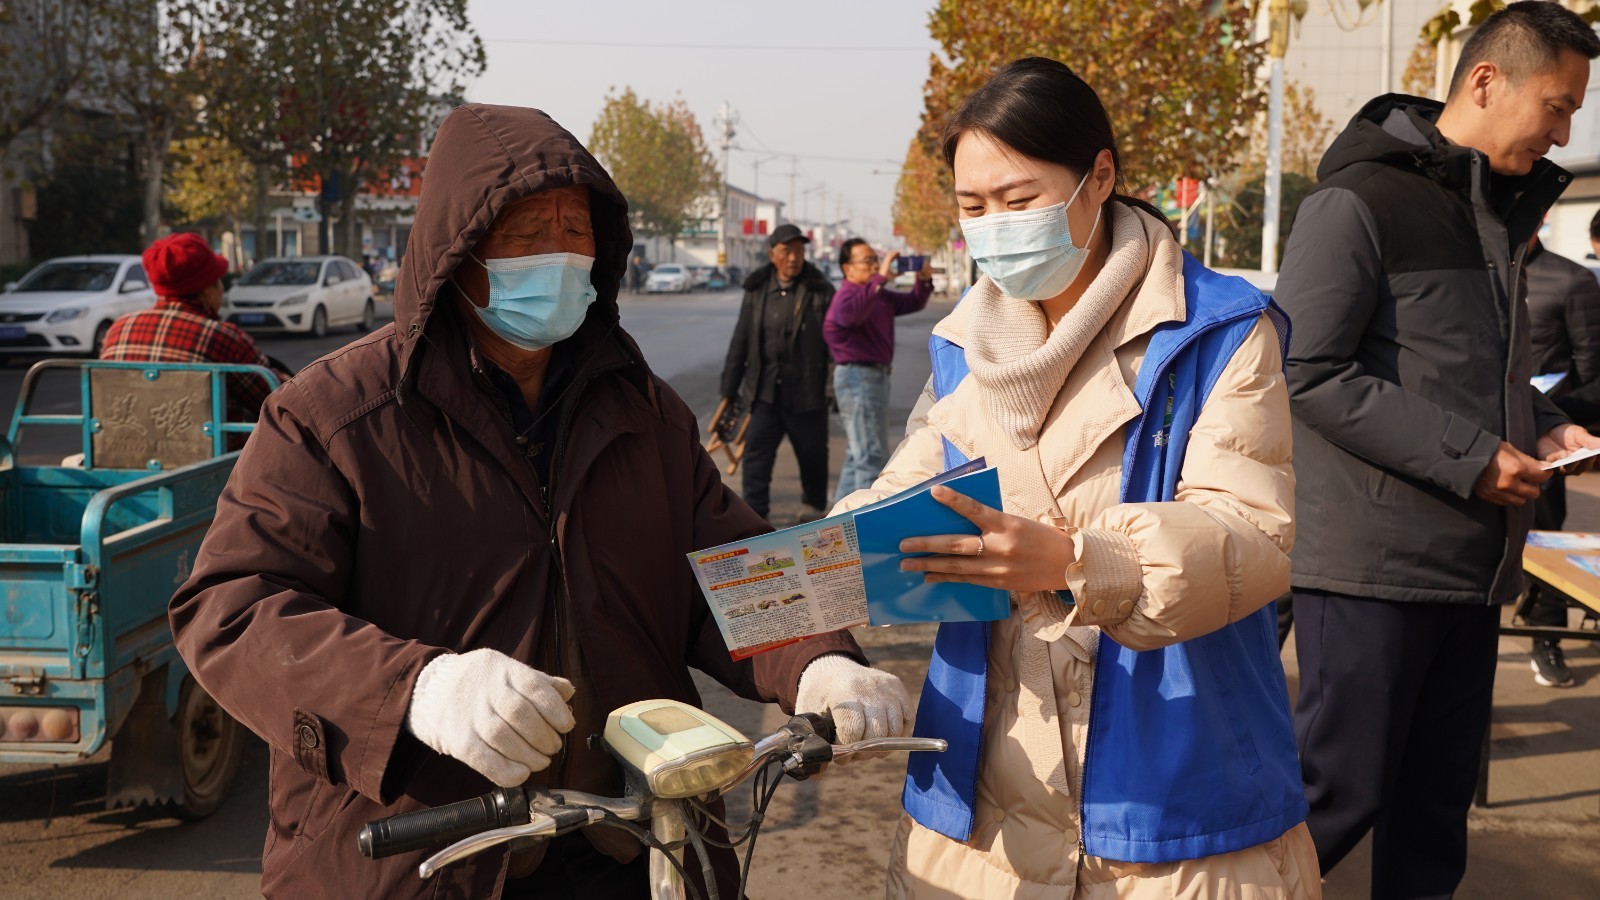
[
  {"x": 537, "y": 301},
  {"x": 1029, "y": 254}
]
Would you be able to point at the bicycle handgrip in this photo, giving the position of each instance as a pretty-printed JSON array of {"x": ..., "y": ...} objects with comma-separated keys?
[{"x": 442, "y": 824}]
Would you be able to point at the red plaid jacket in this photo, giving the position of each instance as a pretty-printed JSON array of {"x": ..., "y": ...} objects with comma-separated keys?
[{"x": 175, "y": 331}]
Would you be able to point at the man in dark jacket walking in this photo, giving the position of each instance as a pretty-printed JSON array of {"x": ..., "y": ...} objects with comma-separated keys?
[
  {"x": 1564, "y": 314},
  {"x": 1418, "y": 437},
  {"x": 451, "y": 548},
  {"x": 778, "y": 367}
]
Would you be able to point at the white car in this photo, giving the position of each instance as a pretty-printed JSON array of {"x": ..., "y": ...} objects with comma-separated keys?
[
  {"x": 307, "y": 294},
  {"x": 668, "y": 277},
  {"x": 906, "y": 280},
  {"x": 66, "y": 305}
]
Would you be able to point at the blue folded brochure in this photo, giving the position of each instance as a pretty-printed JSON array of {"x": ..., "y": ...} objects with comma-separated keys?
[
  {"x": 895, "y": 597},
  {"x": 844, "y": 570}
]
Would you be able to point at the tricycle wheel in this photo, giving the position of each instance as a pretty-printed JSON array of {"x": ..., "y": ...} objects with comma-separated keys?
[{"x": 210, "y": 745}]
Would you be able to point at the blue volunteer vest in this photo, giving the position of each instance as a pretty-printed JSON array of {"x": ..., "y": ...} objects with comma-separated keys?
[{"x": 1190, "y": 749}]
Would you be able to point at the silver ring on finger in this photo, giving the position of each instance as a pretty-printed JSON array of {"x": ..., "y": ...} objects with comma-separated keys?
[{"x": 980, "y": 546}]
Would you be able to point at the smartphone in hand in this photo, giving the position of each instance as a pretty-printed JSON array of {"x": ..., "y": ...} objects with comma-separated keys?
[{"x": 909, "y": 263}]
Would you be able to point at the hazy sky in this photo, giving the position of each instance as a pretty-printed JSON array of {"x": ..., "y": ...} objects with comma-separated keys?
[{"x": 817, "y": 101}]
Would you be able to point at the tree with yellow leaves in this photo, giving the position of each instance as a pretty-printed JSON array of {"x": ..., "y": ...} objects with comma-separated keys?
[
  {"x": 924, "y": 202},
  {"x": 1179, "y": 78},
  {"x": 658, "y": 157},
  {"x": 208, "y": 179}
]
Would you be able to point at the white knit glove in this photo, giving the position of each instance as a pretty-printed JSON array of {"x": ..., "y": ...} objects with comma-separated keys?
[
  {"x": 500, "y": 717},
  {"x": 865, "y": 703}
]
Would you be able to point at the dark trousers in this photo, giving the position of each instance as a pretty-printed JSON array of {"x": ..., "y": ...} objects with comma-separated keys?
[
  {"x": 572, "y": 869},
  {"x": 1546, "y": 605},
  {"x": 1394, "y": 702},
  {"x": 808, "y": 434}
]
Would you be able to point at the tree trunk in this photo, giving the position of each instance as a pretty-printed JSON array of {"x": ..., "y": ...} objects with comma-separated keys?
[
  {"x": 325, "y": 212},
  {"x": 153, "y": 146},
  {"x": 350, "y": 236},
  {"x": 263, "y": 187}
]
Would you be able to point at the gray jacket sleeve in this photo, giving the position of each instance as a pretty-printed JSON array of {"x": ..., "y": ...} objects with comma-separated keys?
[{"x": 1332, "y": 282}]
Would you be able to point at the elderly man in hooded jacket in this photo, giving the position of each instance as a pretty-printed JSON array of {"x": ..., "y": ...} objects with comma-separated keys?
[{"x": 450, "y": 548}]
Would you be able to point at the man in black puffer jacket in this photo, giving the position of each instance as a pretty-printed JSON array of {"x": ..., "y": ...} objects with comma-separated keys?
[
  {"x": 778, "y": 367},
  {"x": 1564, "y": 309},
  {"x": 1418, "y": 438}
]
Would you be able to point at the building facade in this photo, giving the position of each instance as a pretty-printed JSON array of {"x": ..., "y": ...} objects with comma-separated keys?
[{"x": 751, "y": 219}]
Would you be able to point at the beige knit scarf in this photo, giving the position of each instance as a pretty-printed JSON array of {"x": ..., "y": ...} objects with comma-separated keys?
[{"x": 1019, "y": 363}]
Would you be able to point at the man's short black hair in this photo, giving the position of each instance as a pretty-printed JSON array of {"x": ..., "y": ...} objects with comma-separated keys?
[
  {"x": 847, "y": 248},
  {"x": 1594, "y": 227},
  {"x": 1525, "y": 38}
]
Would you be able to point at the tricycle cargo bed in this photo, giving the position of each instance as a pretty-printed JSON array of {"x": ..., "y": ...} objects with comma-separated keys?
[
  {"x": 91, "y": 552},
  {"x": 83, "y": 612}
]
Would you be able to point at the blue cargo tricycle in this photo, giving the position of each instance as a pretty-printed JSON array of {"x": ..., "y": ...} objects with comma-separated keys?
[{"x": 91, "y": 550}]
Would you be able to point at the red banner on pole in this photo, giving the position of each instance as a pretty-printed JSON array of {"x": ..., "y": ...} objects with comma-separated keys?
[{"x": 1188, "y": 192}]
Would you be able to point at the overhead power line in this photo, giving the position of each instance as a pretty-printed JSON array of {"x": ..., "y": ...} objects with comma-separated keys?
[
  {"x": 764, "y": 48},
  {"x": 873, "y": 160}
]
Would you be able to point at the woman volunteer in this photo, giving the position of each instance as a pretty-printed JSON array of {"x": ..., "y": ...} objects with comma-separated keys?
[{"x": 1125, "y": 733}]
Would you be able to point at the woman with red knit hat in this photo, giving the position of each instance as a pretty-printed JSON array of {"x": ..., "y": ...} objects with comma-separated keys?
[{"x": 183, "y": 325}]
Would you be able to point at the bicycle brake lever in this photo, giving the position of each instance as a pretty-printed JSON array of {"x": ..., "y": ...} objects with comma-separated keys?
[
  {"x": 540, "y": 825},
  {"x": 889, "y": 744}
]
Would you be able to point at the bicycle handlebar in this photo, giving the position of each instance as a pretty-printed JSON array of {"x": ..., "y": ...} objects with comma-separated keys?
[
  {"x": 505, "y": 814},
  {"x": 500, "y": 808}
]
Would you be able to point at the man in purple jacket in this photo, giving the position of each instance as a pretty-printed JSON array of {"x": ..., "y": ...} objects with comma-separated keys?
[{"x": 859, "y": 330}]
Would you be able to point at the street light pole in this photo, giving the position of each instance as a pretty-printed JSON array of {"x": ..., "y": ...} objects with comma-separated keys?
[
  {"x": 1388, "y": 47},
  {"x": 725, "y": 118},
  {"x": 1277, "y": 44}
]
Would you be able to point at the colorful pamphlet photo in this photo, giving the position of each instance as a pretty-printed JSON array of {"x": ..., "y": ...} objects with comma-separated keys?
[{"x": 844, "y": 571}]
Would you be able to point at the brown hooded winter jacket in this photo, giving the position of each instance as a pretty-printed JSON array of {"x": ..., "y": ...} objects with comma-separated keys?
[{"x": 383, "y": 513}]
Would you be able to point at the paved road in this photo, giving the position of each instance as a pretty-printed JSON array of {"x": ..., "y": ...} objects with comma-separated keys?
[
  {"x": 684, "y": 337},
  {"x": 829, "y": 835}
]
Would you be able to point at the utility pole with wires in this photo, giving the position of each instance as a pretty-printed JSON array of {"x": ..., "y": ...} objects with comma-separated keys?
[
  {"x": 794, "y": 170},
  {"x": 726, "y": 118}
]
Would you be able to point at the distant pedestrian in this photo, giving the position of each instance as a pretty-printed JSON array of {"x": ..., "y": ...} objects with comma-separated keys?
[
  {"x": 778, "y": 366},
  {"x": 186, "y": 275},
  {"x": 1564, "y": 311},
  {"x": 636, "y": 273},
  {"x": 859, "y": 329},
  {"x": 1418, "y": 437}
]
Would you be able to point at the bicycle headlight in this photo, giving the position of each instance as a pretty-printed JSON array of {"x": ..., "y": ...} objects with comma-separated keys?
[
  {"x": 679, "y": 750},
  {"x": 66, "y": 314}
]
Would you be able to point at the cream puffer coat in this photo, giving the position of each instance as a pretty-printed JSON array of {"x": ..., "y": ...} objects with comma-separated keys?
[{"x": 1149, "y": 574}]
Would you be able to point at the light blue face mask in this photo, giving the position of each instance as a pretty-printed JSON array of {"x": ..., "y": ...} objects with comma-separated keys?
[
  {"x": 1029, "y": 253},
  {"x": 537, "y": 301}
]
